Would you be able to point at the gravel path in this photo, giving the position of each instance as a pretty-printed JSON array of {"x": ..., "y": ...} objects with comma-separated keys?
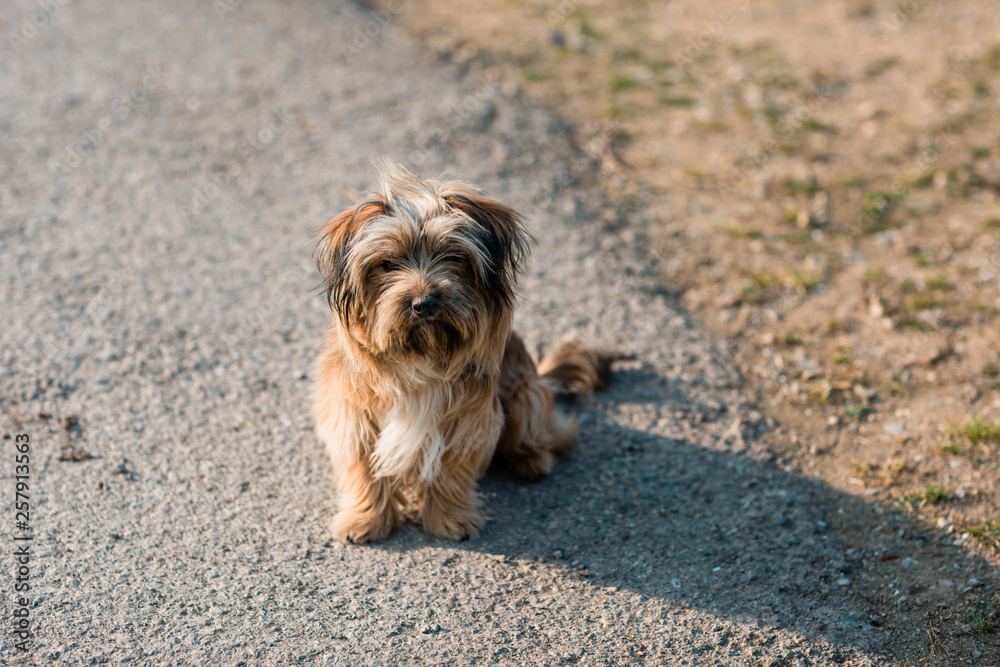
[{"x": 162, "y": 167}]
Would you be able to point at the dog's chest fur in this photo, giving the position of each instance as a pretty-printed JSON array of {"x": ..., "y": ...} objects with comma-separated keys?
[{"x": 411, "y": 441}]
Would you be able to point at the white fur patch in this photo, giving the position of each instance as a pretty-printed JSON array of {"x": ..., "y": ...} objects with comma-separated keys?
[{"x": 411, "y": 441}]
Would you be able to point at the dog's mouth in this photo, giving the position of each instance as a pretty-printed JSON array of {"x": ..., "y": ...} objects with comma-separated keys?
[{"x": 432, "y": 336}]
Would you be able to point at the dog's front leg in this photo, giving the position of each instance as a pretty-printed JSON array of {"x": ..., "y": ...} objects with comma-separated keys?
[
  {"x": 448, "y": 503},
  {"x": 368, "y": 508}
]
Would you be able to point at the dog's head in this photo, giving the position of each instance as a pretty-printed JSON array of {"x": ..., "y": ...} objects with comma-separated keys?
[{"x": 422, "y": 267}]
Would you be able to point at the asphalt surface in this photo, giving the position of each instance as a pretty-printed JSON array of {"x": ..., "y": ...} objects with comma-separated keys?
[{"x": 163, "y": 165}]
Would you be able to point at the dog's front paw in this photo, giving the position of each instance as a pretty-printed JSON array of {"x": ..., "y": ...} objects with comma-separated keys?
[
  {"x": 455, "y": 523},
  {"x": 358, "y": 527}
]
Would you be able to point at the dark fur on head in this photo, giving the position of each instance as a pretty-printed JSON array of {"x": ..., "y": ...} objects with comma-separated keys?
[{"x": 422, "y": 267}]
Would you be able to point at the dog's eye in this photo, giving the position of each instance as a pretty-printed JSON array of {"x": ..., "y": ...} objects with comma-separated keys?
[{"x": 389, "y": 265}]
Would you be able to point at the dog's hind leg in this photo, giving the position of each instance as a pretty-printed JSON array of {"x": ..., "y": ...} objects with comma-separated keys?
[{"x": 536, "y": 430}]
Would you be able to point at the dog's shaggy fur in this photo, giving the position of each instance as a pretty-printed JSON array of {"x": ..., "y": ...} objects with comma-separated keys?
[{"x": 422, "y": 382}]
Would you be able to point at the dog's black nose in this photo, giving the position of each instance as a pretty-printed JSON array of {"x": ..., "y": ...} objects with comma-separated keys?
[{"x": 425, "y": 306}]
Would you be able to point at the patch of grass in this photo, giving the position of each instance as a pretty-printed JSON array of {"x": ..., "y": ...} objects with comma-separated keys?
[
  {"x": 896, "y": 388},
  {"x": 933, "y": 494},
  {"x": 881, "y": 65},
  {"x": 751, "y": 295},
  {"x": 953, "y": 449},
  {"x": 682, "y": 101},
  {"x": 986, "y": 532},
  {"x": 632, "y": 54},
  {"x": 891, "y": 471},
  {"x": 696, "y": 174},
  {"x": 759, "y": 279},
  {"x": 992, "y": 58},
  {"x": 849, "y": 182},
  {"x": 798, "y": 186},
  {"x": 857, "y": 411},
  {"x": 811, "y": 124},
  {"x": 620, "y": 111},
  {"x": 873, "y": 215},
  {"x": 939, "y": 282},
  {"x": 833, "y": 326},
  {"x": 620, "y": 82},
  {"x": 918, "y": 325},
  {"x": 798, "y": 237},
  {"x": 791, "y": 337},
  {"x": 864, "y": 468},
  {"x": 804, "y": 281},
  {"x": 924, "y": 180},
  {"x": 587, "y": 28},
  {"x": 861, "y": 9},
  {"x": 875, "y": 276},
  {"x": 922, "y": 301},
  {"x": 842, "y": 359},
  {"x": 984, "y": 617},
  {"x": 737, "y": 233},
  {"x": 819, "y": 395},
  {"x": 773, "y": 113},
  {"x": 992, "y": 224},
  {"x": 978, "y": 430},
  {"x": 533, "y": 75},
  {"x": 715, "y": 125},
  {"x": 985, "y": 308},
  {"x": 990, "y": 370}
]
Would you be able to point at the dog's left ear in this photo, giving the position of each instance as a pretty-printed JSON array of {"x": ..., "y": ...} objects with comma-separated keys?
[
  {"x": 332, "y": 250},
  {"x": 503, "y": 237}
]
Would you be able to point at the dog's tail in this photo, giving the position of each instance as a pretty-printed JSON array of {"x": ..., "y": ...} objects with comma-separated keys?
[
  {"x": 574, "y": 371},
  {"x": 536, "y": 430}
]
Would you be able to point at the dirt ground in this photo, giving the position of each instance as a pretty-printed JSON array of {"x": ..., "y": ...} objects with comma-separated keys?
[{"x": 824, "y": 181}]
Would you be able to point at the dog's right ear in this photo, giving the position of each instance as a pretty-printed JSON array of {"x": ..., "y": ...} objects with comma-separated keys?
[
  {"x": 504, "y": 239},
  {"x": 333, "y": 241}
]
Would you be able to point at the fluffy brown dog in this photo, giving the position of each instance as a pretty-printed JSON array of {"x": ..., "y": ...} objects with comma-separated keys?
[{"x": 422, "y": 381}]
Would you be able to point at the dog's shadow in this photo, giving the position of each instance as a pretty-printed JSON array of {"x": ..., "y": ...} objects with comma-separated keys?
[{"x": 726, "y": 532}]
